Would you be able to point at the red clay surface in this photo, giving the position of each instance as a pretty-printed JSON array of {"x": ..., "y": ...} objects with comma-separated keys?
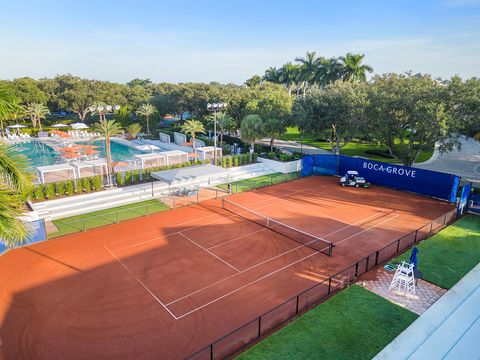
[{"x": 165, "y": 286}]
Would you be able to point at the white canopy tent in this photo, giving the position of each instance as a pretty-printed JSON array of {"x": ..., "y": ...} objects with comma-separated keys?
[
  {"x": 193, "y": 174},
  {"x": 79, "y": 126}
]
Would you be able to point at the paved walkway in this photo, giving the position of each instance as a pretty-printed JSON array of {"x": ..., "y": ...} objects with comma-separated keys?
[
  {"x": 450, "y": 329},
  {"x": 294, "y": 146},
  {"x": 426, "y": 294},
  {"x": 464, "y": 162}
]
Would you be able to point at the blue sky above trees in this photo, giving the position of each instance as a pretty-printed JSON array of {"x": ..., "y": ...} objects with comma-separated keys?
[{"x": 228, "y": 41}]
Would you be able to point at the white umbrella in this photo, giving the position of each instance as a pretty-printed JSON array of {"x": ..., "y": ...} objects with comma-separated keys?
[
  {"x": 147, "y": 147},
  {"x": 17, "y": 126},
  {"x": 78, "y": 126},
  {"x": 59, "y": 125}
]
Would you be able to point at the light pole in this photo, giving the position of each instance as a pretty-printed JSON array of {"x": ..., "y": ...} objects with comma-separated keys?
[
  {"x": 214, "y": 108},
  {"x": 102, "y": 111}
]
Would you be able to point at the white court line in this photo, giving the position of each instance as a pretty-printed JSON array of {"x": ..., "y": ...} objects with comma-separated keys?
[
  {"x": 141, "y": 283},
  {"x": 208, "y": 251},
  {"x": 249, "y": 268},
  {"x": 244, "y": 286},
  {"x": 237, "y": 238},
  {"x": 380, "y": 223},
  {"x": 267, "y": 275},
  {"x": 228, "y": 216}
]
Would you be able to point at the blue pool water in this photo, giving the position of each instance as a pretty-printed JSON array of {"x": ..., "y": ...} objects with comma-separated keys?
[{"x": 43, "y": 155}]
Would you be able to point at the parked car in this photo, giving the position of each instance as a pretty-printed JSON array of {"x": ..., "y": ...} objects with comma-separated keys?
[{"x": 351, "y": 178}]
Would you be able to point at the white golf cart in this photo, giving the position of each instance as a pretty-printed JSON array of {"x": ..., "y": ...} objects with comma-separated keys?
[{"x": 351, "y": 178}]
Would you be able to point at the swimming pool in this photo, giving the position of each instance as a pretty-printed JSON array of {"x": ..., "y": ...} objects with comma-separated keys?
[{"x": 43, "y": 155}]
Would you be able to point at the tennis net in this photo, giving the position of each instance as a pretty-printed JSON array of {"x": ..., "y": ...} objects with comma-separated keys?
[{"x": 314, "y": 242}]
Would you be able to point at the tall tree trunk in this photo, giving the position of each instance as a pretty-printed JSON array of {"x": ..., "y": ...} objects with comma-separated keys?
[
  {"x": 109, "y": 159},
  {"x": 39, "y": 124},
  {"x": 271, "y": 143},
  {"x": 221, "y": 139},
  {"x": 148, "y": 127}
]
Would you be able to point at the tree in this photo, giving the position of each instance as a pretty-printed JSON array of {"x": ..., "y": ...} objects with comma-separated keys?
[
  {"x": 407, "y": 114},
  {"x": 107, "y": 128},
  {"x": 273, "y": 103},
  {"x": 255, "y": 80},
  {"x": 134, "y": 129},
  {"x": 272, "y": 74},
  {"x": 27, "y": 90},
  {"x": 309, "y": 67},
  {"x": 330, "y": 70},
  {"x": 147, "y": 110},
  {"x": 76, "y": 94},
  {"x": 290, "y": 76},
  {"x": 252, "y": 129},
  {"x": 336, "y": 110},
  {"x": 15, "y": 184},
  {"x": 7, "y": 102},
  {"x": 37, "y": 112},
  {"x": 123, "y": 116},
  {"x": 463, "y": 104},
  {"x": 224, "y": 122},
  {"x": 353, "y": 69},
  {"x": 192, "y": 127}
]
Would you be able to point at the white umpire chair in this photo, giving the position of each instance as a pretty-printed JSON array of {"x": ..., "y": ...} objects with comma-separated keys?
[{"x": 404, "y": 279}]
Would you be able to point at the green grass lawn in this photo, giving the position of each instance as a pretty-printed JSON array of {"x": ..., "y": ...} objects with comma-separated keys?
[
  {"x": 351, "y": 148},
  {"x": 354, "y": 324},
  {"x": 450, "y": 254},
  {"x": 95, "y": 219},
  {"x": 260, "y": 181}
]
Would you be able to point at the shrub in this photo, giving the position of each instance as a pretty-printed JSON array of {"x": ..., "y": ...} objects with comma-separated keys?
[
  {"x": 119, "y": 179},
  {"x": 128, "y": 177},
  {"x": 60, "y": 188},
  {"x": 49, "y": 190},
  {"x": 230, "y": 161},
  {"x": 96, "y": 182},
  {"x": 254, "y": 157},
  {"x": 136, "y": 176},
  {"x": 37, "y": 193},
  {"x": 236, "y": 160},
  {"x": 224, "y": 162},
  {"x": 246, "y": 158},
  {"x": 146, "y": 174},
  {"x": 69, "y": 187}
]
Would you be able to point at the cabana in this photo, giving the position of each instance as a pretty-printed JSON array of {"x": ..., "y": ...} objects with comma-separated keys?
[
  {"x": 151, "y": 160},
  {"x": 192, "y": 174},
  {"x": 58, "y": 172},
  {"x": 90, "y": 168},
  {"x": 175, "y": 157},
  {"x": 207, "y": 152}
]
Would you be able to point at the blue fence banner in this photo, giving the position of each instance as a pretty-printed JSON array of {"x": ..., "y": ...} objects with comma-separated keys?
[
  {"x": 326, "y": 165},
  {"x": 307, "y": 165},
  {"x": 464, "y": 198},
  {"x": 424, "y": 182}
]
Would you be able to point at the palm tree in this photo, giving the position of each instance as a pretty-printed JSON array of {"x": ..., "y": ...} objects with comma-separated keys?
[
  {"x": 108, "y": 128},
  {"x": 192, "y": 127},
  {"x": 309, "y": 66},
  {"x": 134, "y": 129},
  {"x": 147, "y": 110},
  {"x": 290, "y": 75},
  {"x": 272, "y": 74},
  {"x": 353, "y": 70},
  {"x": 37, "y": 112},
  {"x": 224, "y": 122},
  {"x": 15, "y": 182},
  {"x": 330, "y": 71},
  {"x": 252, "y": 128}
]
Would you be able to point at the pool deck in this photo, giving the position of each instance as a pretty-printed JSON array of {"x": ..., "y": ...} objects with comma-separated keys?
[{"x": 450, "y": 329}]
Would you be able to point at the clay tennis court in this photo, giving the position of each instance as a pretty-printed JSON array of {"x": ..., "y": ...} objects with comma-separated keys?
[{"x": 167, "y": 285}]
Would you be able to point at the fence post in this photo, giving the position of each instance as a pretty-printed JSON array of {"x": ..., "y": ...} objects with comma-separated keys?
[
  {"x": 366, "y": 263},
  {"x": 416, "y": 233},
  {"x": 296, "y": 308},
  {"x": 356, "y": 269},
  {"x": 211, "y": 351},
  {"x": 398, "y": 245},
  {"x": 329, "y": 284},
  {"x": 431, "y": 227},
  {"x": 259, "y": 326},
  {"x": 376, "y": 258}
]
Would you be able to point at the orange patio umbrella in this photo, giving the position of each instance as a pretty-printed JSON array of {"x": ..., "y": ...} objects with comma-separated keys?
[
  {"x": 188, "y": 143},
  {"x": 195, "y": 155},
  {"x": 87, "y": 146},
  {"x": 68, "y": 149},
  {"x": 71, "y": 156},
  {"x": 91, "y": 152}
]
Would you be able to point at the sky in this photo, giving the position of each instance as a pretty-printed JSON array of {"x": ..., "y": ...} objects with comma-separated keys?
[{"x": 231, "y": 40}]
